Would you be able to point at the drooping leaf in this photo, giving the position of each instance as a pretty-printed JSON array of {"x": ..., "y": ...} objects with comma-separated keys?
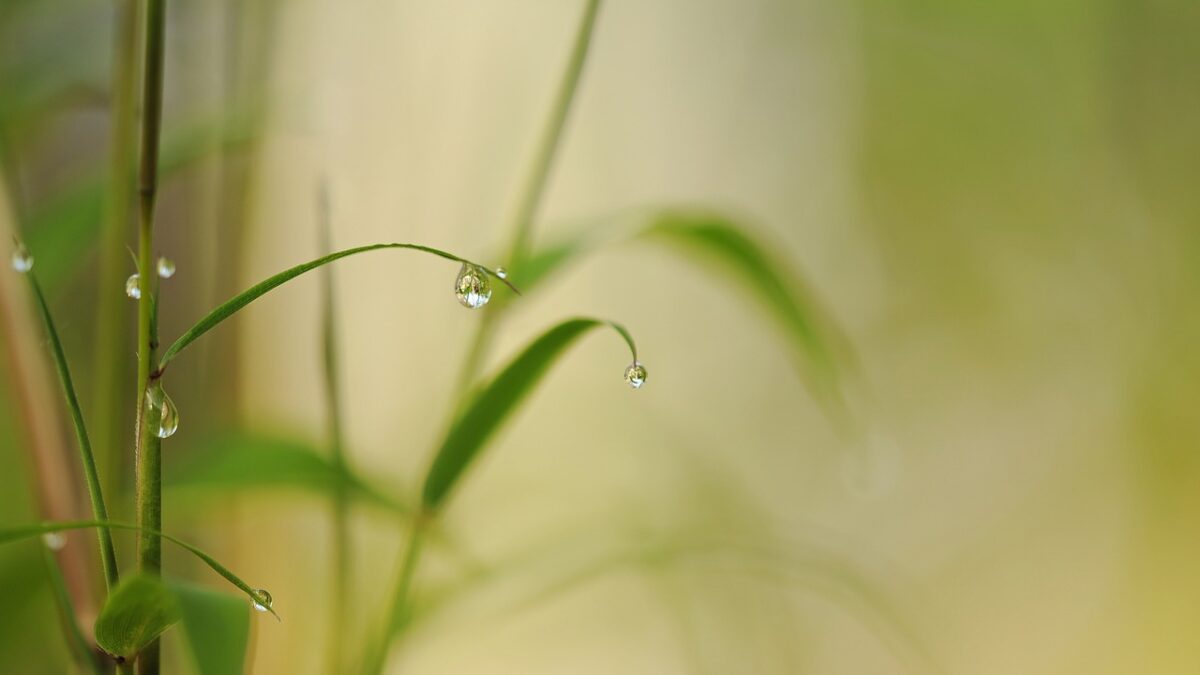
[
  {"x": 19, "y": 532},
  {"x": 726, "y": 246},
  {"x": 139, "y": 610},
  {"x": 216, "y": 626},
  {"x": 251, "y": 294},
  {"x": 497, "y": 400},
  {"x": 239, "y": 460}
]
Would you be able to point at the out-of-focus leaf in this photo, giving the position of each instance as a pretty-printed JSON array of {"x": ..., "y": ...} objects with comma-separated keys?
[
  {"x": 495, "y": 402},
  {"x": 217, "y": 628},
  {"x": 9, "y": 534},
  {"x": 726, "y": 246},
  {"x": 67, "y": 226},
  {"x": 139, "y": 610},
  {"x": 229, "y": 307},
  {"x": 247, "y": 461}
]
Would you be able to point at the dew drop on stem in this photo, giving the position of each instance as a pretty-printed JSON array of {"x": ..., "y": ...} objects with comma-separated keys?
[
  {"x": 472, "y": 286},
  {"x": 166, "y": 268},
  {"x": 162, "y": 414},
  {"x": 54, "y": 541},
  {"x": 21, "y": 260},
  {"x": 501, "y": 273},
  {"x": 262, "y": 600},
  {"x": 635, "y": 375},
  {"x": 132, "y": 287}
]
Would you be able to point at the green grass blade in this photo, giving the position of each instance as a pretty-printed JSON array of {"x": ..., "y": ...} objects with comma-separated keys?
[
  {"x": 17, "y": 533},
  {"x": 139, "y": 610},
  {"x": 249, "y": 461},
  {"x": 497, "y": 400},
  {"x": 254, "y": 292},
  {"x": 81, "y": 651},
  {"x": 108, "y": 555},
  {"x": 726, "y": 246},
  {"x": 217, "y": 628}
]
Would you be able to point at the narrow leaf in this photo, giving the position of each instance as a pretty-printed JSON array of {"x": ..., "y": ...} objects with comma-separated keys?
[
  {"x": 10, "y": 534},
  {"x": 497, "y": 400},
  {"x": 134, "y": 615},
  {"x": 254, "y": 292},
  {"x": 248, "y": 461},
  {"x": 217, "y": 628}
]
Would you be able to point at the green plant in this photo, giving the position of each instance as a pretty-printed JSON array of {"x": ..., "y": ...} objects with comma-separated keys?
[{"x": 142, "y": 606}]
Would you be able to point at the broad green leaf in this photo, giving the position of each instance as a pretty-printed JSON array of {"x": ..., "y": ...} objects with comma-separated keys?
[
  {"x": 251, "y": 294},
  {"x": 216, "y": 626},
  {"x": 497, "y": 400},
  {"x": 247, "y": 461},
  {"x": 19, "y": 532},
  {"x": 108, "y": 556},
  {"x": 730, "y": 248},
  {"x": 134, "y": 615}
]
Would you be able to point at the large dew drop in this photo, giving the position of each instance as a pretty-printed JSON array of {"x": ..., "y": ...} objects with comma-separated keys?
[
  {"x": 262, "y": 600},
  {"x": 472, "y": 286},
  {"x": 162, "y": 413},
  {"x": 21, "y": 260},
  {"x": 166, "y": 268},
  {"x": 133, "y": 287},
  {"x": 635, "y": 375}
]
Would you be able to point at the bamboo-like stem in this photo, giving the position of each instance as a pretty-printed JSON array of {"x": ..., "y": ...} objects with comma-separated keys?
[
  {"x": 534, "y": 187},
  {"x": 148, "y": 457},
  {"x": 340, "y": 588},
  {"x": 111, "y": 333}
]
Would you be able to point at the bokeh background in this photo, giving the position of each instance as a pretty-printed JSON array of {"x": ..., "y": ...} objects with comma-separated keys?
[{"x": 995, "y": 203}]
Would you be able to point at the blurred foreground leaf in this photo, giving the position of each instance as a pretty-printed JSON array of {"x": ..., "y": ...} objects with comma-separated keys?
[
  {"x": 134, "y": 615},
  {"x": 217, "y": 628},
  {"x": 248, "y": 461},
  {"x": 726, "y": 246},
  {"x": 496, "y": 400}
]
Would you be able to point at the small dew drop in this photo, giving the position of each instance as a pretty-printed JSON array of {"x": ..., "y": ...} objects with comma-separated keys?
[
  {"x": 164, "y": 415},
  {"x": 21, "y": 260},
  {"x": 262, "y": 603},
  {"x": 54, "y": 541},
  {"x": 166, "y": 268},
  {"x": 501, "y": 273},
  {"x": 635, "y": 375},
  {"x": 472, "y": 287},
  {"x": 132, "y": 287}
]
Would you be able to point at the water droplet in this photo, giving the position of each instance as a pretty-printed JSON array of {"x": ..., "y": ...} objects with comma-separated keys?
[
  {"x": 635, "y": 375},
  {"x": 21, "y": 260},
  {"x": 132, "y": 287},
  {"x": 472, "y": 287},
  {"x": 162, "y": 412},
  {"x": 262, "y": 603},
  {"x": 501, "y": 273},
  {"x": 166, "y": 268},
  {"x": 54, "y": 541}
]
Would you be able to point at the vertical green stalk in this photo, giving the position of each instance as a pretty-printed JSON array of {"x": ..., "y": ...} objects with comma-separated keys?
[
  {"x": 149, "y": 458},
  {"x": 338, "y": 618},
  {"x": 111, "y": 333},
  {"x": 535, "y": 185},
  {"x": 522, "y": 226}
]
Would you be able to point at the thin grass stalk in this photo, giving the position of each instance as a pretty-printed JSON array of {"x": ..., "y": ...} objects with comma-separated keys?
[
  {"x": 111, "y": 333},
  {"x": 340, "y": 589},
  {"x": 534, "y": 188},
  {"x": 148, "y": 458},
  {"x": 81, "y": 650},
  {"x": 399, "y": 611}
]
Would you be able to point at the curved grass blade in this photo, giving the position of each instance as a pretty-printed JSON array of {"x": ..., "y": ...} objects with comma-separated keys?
[
  {"x": 10, "y": 534},
  {"x": 495, "y": 401},
  {"x": 108, "y": 555},
  {"x": 254, "y": 292},
  {"x": 217, "y": 628},
  {"x": 712, "y": 238},
  {"x": 139, "y": 610},
  {"x": 247, "y": 461}
]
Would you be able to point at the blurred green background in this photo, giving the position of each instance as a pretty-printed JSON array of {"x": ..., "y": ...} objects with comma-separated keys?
[{"x": 994, "y": 201}]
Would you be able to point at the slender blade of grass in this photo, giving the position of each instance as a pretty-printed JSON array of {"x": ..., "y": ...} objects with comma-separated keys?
[
  {"x": 251, "y": 294},
  {"x": 108, "y": 555},
  {"x": 80, "y": 649},
  {"x": 139, "y": 610},
  {"x": 217, "y": 628},
  {"x": 497, "y": 400},
  {"x": 19, "y": 532}
]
